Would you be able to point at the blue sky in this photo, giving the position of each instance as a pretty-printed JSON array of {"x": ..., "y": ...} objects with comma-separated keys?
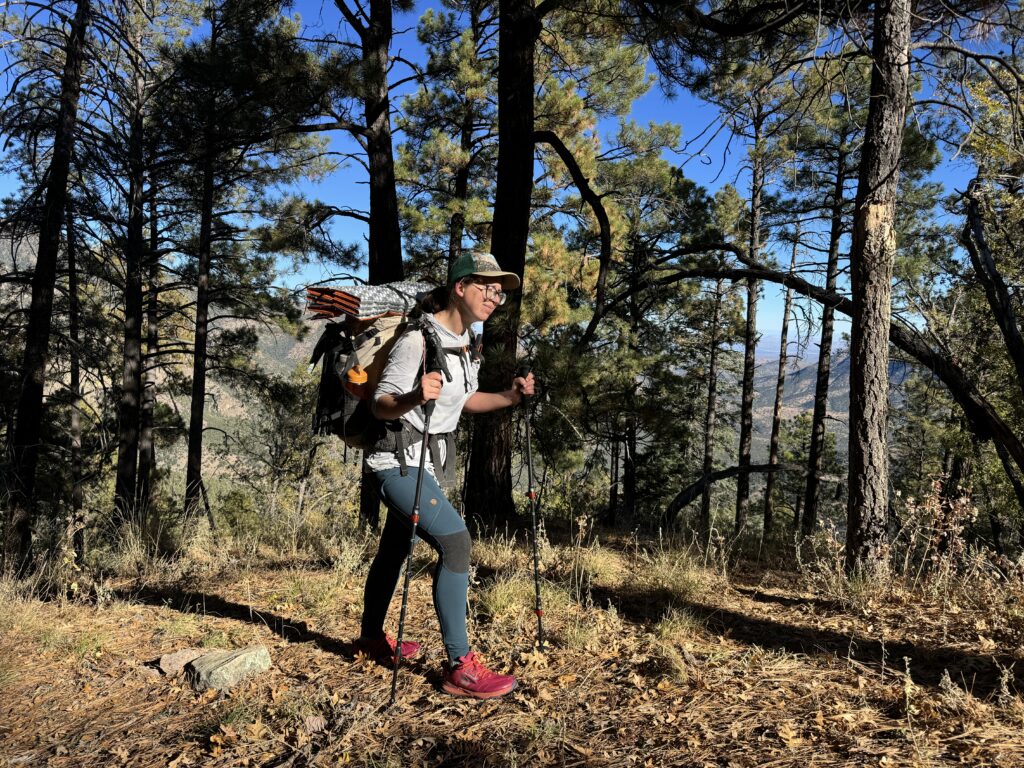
[{"x": 712, "y": 169}]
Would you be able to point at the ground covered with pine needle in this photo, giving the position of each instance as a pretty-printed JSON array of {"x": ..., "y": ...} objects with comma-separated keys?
[{"x": 654, "y": 659}]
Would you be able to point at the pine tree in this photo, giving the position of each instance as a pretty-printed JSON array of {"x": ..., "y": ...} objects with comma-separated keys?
[{"x": 26, "y": 436}]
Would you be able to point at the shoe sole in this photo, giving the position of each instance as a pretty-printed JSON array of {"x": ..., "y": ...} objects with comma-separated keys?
[{"x": 455, "y": 690}]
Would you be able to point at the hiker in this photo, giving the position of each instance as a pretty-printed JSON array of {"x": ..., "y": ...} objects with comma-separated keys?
[{"x": 476, "y": 288}]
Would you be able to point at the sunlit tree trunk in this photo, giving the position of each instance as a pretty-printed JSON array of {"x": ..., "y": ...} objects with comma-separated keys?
[{"x": 871, "y": 262}]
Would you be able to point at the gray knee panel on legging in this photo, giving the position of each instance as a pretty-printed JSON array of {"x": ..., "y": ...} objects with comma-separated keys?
[{"x": 455, "y": 550}]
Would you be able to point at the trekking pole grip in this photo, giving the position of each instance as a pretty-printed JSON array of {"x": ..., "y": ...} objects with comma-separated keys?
[{"x": 522, "y": 372}]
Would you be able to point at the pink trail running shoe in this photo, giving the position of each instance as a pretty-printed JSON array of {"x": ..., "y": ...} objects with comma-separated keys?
[
  {"x": 471, "y": 678},
  {"x": 382, "y": 649}
]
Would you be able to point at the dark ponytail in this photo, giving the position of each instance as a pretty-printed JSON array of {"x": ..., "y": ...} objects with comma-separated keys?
[{"x": 435, "y": 301}]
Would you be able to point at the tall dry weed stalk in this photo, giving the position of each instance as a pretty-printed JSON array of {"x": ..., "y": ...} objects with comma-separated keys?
[{"x": 927, "y": 556}]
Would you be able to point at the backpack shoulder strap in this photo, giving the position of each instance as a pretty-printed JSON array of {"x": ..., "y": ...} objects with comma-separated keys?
[{"x": 435, "y": 352}]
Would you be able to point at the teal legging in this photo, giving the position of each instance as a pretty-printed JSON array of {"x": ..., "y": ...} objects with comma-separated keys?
[{"x": 444, "y": 530}]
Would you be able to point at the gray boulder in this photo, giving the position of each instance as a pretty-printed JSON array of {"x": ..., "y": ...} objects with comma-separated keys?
[{"x": 225, "y": 669}]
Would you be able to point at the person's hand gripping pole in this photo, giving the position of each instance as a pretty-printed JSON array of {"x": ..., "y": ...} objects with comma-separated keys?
[{"x": 531, "y": 494}]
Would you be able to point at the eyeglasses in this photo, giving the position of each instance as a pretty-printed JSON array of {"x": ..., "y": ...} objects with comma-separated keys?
[{"x": 491, "y": 293}]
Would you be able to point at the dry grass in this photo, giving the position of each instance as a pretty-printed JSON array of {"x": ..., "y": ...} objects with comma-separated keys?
[{"x": 652, "y": 660}]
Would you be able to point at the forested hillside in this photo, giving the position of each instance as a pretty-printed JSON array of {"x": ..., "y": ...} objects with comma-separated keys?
[{"x": 764, "y": 262}]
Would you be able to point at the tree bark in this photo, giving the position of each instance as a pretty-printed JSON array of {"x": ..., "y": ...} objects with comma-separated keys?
[
  {"x": 126, "y": 483},
  {"x": 460, "y": 191},
  {"x": 147, "y": 413},
  {"x": 489, "y": 478},
  {"x": 385, "y": 244},
  {"x": 780, "y": 388},
  {"x": 816, "y": 451},
  {"x": 194, "y": 469},
  {"x": 996, "y": 291},
  {"x": 750, "y": 335},
  {"x": 701, "y": 486},
  {"x": 384, "y": 258},
  {"x": 74, "y": 325},
  {"x": 629, "y": 469},
  {"x": 613, "y": 489},
  {"x": 28, "y": 428},
  {"x": 871, "y": 260},
  {"x": 710, "y": 415},
  {"x": 984, "y": 421}
]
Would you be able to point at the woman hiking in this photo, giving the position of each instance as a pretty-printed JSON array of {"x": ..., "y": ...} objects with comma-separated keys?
[{"x": 476, "y": 288}]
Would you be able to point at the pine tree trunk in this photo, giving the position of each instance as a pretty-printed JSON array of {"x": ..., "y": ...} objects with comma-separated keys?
[
  {"x": 489, "y": 480},
  {"x": 125, "y": 502},
  {"x": 821, "y": 384},
  {"x": 871, "y": 259},
  {"x": 629, "y": 470},
  {"x": 147, "y": 414},
  {"x": 709, "y": 416},
  {"x": 780, "y": 387},
  {"x": 385, "y": 243},
  {"x": 194, "y": 469},
  {"x": 28, "y": 428},
  {"x": 75, "y": 384},
  {"x": 750, "y": 337},
  {"x": 460, "y": 192},
  {"x": 613, "y": 490}
]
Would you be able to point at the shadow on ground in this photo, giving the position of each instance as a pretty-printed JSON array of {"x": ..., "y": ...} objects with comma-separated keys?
[
  {"x": 981, "y": 675},
  {"x": 292, "y": 630}
]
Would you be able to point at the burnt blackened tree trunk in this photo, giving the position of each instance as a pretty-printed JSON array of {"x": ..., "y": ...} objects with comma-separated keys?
[
  {"x": 871, "y": 261},
  {"x": 28, "y": 427}
]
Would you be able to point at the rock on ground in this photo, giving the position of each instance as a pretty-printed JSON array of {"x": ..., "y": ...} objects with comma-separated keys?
[
  {"x": 172, "y": 664},
  {"x": 225, "y": 669}
]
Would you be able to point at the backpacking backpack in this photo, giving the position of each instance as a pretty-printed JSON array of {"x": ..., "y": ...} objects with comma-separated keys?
[{"x": 365, "y": 322}]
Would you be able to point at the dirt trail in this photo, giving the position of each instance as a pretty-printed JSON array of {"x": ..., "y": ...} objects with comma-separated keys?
[{"x": 752, "y": 674}]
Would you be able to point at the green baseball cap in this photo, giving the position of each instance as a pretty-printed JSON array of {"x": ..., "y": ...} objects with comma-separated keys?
[{"x": 481, "y": 265}]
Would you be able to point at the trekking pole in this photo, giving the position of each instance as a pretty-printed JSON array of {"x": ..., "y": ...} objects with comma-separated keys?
[
  {"x": 428, "y": 409},
  {"x": 531, "y": 494}
]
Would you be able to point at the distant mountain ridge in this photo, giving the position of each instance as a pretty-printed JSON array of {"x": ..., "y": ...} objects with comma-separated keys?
[{"x": 280, "y": 353}]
